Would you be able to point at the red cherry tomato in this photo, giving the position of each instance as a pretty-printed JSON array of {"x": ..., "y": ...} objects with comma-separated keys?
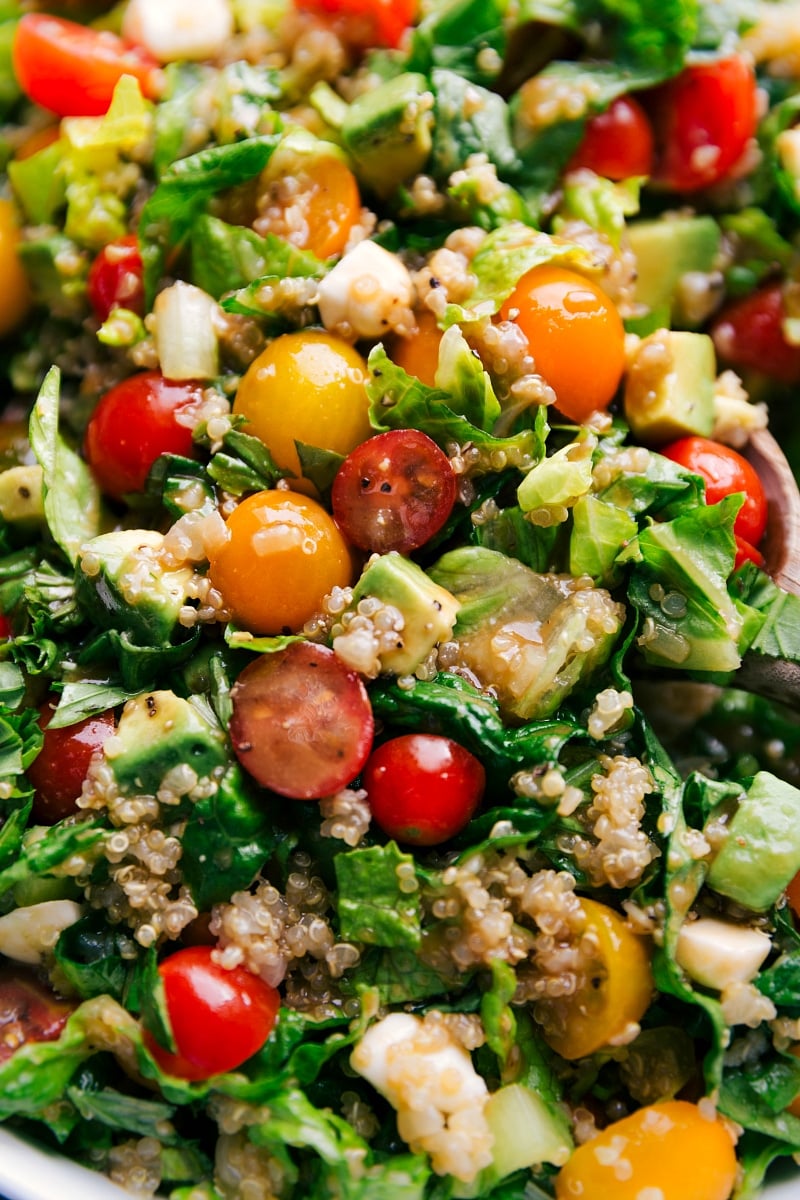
[
  {"x": 725, "y": 472},
  {"x": 73, "y": 70},
  {"x": 749, "y": 334},
  {"x": 423, "y": 788},
  {"x": 366, "y": 22},
  {"x": 139, "y": 419},
  {"x": 703, "y": 120},
  {"x": 219, "y": 1018},
  {"x": 617, "y": 143},
  {"x": 29, "y": 1012},
  {"x": 115, "y": 278},
  {"x": 302, "y": 722},
  {"x": 746, "y": 553},
  {"x": 58, "y": 771},
  {"x": 394, "y": 492},
  {"x": 5, "y": 627}
]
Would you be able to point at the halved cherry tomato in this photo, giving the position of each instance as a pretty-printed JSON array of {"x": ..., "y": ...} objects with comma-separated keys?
[
  {"x": 116, "y": 278},
  {"x": 366, "y": 22},
  {"x": 617, "y": 143},
  {"x": 219, "y": 1017},
  {"x": 302, "y": 723},
  {"x": 575, "y": 335},
  {"x": 703, "y": 120},
  {"x": 749, "y": 334},
  {"x": 615, "y": 993},
  {"x": 72, "y": 69},
  {"x": 58, "y": 771},
  {"x": 725, "y": 472},
  {"x": 394, "y": 492},
  {"x": 29, "y": 1012},
  {"x": 419, "y": 354},
  {"x": 309, "y": 387},
  {"x": 746, "y": 553},
  {"x": 139, "y": 419},
  {"x": 318, "y": 193},
  {"x": 423, "y": 788},
  {"x": 282, "y": 555},
  {"x": 672, "y": 1150},
  {"x": 15, "y": 297}
]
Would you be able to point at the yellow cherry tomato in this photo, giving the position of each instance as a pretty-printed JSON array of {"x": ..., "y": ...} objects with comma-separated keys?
[
  {"x": 672, "y": 1150},
  {"x": 15, "y": 296},
  {"x": 575, "y": 334},
  {"x": 307, "y": 387},
  {"x": 419, "y": 354},
  {"x": 283, "y": 553},
  {"x": 312, "y": 198},
  {"x": 616, "y": 992}
]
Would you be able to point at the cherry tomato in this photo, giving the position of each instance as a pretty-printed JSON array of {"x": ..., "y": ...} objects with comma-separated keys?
[
  {"x": 423, "y": 788},
  {"x": 115, "y": 278},
  {"x": 58, "y": 771},
  {"x": 615, "y": 994},
  {"x": 40, "y": 139},
  {"x": 617, "y": 143},
  {"x": 29, "y": 1012},
  {"x": 219, "y": 1018},
  {"x": 15, "y": 297},
  {"x": 311, "y": 200},
  {"x": 703, "y": 119},
  {"x": 672, "y": 1150},
  {"x": 5, "y": 627},
  {"x": 394, "y": 492},
  {"x": 575, "y": 335},
  {"x": 419, "y": 354},
  {"x": 749, "y": 334},
  {"x": 72, "y": 69},
  {"x": 282, "y": 555},
  {"x": 793, "y": 895},
  {"x": 302, "y": 722},
  {"x": 139, "y": 419},
  {"x": 746, "y": 553},
  {"x": 725, "y": 472},
  {"x": 310, "y": 387},
  {"x": 366, "y": 22}
]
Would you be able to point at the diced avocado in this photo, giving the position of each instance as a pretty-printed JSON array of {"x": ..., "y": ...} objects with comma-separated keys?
[
  {"x": 428, "y": 610},
  {"x": 666, "y": 250},
  {"x": 21, "y": 494},
  {"x": 532, "y": 638},
  {"x": 122, "y": 584},
  {"x": 761, "y": 853},
  {"x": 387, "y": 132},
  {"x": 158, "y": 732},
  {"x": 669, "y": 389}
]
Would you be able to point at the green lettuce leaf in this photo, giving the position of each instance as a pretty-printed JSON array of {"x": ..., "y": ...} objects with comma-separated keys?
[{"x": 372, "y": 906}]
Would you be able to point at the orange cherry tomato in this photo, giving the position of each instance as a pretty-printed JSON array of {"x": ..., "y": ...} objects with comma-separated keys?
[
  {"x": 15, "y": 298},
  {"x": 419, "y": 354},
  {"x": 671, "y": 1150},
  {"x": 283, "y": 553},
  {"x": 319, "y": 195},
  {"x": 575, "y": 334},
  {"x": 616, "y": 992},
  {"x": 308, "y": 387}
]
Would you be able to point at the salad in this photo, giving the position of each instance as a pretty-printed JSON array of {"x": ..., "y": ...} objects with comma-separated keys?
[{"x": 379, "y": 812}]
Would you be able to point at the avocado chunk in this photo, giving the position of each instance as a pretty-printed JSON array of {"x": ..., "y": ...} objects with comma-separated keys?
[
  {"x": 428, "y": 611},
  {"x": 669, "y": 389},
  {"x": 761, "y": 853},
  {"x": 123, "y": 586},
  {"x": 387, "y": 132},
  {"x": 666, "y": 251},
  {"x": 532, "y": 638},
  {"x": 21, "y": 497},
  {"x": 158, "y": 732}
]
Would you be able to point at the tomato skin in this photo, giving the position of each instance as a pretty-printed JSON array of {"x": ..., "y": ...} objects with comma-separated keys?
[
  {"x": 394, "y": 492},
  {"x": 72, "y": 70},
  {"x": 617, "y": 143},
  {"x": 419, "y": 354},
  {"x": 669, "y": 1149},
  {"x": 58, "y": 771},
  {"x": 423, "y": 788},
  {"x": 116, "y": 278},
  {"x": 15, "y": 298},
  {"x": 746, "y": 553},
  {"x": 6, "y": 630},
  {"x": 302, "y": 722},
  {"x": 29, "y": 1012},
  {"x": 367, "y": 22},
  {"x": 748, "y": 334},
  {"x": 725, "y": 472},
  {"x": 575, "y": 334},
  {"x": 283, "y": 554},
  {"x": 323, "y": 201},
  {"x": 703, "y": 119},
  {"x": 219, "y": 1018},
  {"x": 133, "y": 424}
]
